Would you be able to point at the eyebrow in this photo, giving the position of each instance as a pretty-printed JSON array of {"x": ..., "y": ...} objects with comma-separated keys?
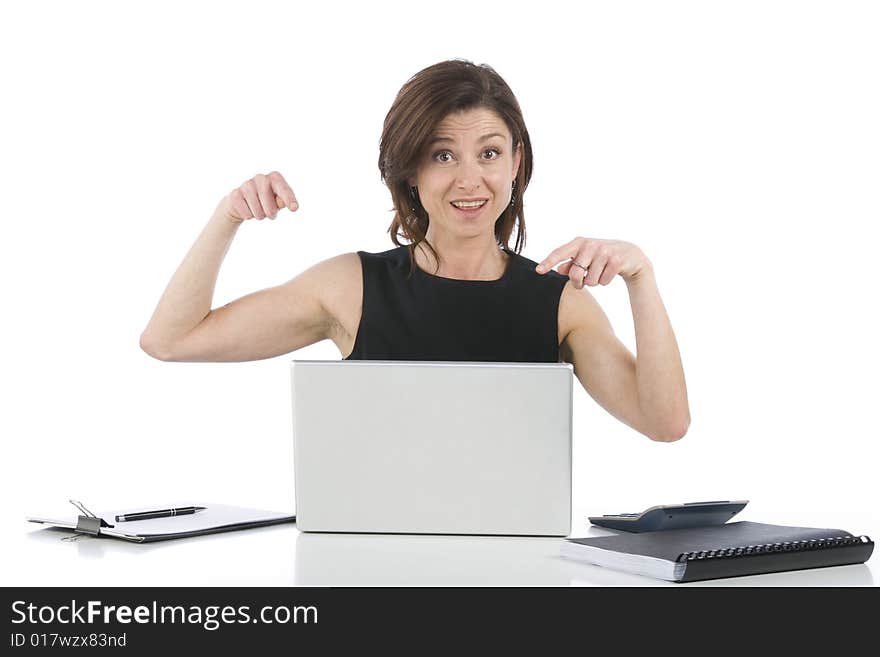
[{"x": 483, "y": 138}]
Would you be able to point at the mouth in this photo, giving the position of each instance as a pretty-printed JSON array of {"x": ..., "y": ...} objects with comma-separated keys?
[{"x": 469, "y": 209}]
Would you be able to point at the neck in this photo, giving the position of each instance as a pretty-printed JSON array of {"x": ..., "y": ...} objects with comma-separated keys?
[{"x": 472, "y": 259}]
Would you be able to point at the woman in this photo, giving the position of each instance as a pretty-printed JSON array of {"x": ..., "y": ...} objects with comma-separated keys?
[{"x": 456, "y": 155}]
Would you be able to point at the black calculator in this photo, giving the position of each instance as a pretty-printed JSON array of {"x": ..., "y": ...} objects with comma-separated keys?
[{"x": 672, "y": 516}]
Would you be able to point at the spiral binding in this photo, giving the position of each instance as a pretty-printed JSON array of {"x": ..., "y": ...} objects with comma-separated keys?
[{"x": 767, "y": 548}]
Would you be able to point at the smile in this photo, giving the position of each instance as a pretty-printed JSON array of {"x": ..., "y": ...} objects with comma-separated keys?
[{"x": 469, "y": 209}]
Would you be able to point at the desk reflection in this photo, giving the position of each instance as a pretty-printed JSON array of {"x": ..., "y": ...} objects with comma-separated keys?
[
  {"x": 854, "y": 575},
  {"x": 355, "y": 560},
  {"x": 429, "y": 560}
]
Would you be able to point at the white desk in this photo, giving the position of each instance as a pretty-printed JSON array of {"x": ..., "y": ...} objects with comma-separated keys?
[{"x": 283, "y": 556}]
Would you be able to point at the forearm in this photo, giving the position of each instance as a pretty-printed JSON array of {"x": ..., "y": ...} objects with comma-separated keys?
[
  {"x": 659, "y": 373},
  {"x": 187, "y": 299}
]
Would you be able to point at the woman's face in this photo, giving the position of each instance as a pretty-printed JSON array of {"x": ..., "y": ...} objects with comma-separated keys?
[{"x": 468, "y": 159}]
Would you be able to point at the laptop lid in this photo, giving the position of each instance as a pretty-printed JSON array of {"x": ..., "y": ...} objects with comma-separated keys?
[{"x": 432, "y": 447}]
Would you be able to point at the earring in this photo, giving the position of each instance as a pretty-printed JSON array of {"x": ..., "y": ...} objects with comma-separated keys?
[
  {"x": 412, "y": 194},
  {"x": 513, "y": 192}
]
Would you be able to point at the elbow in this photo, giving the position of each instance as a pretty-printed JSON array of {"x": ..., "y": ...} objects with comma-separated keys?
[
  {"x": 671, "y": 433},
  {"x": 154, "y": 348}
]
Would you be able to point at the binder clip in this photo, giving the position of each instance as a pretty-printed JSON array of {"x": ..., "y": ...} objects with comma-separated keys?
[{"x": 87, "y": 523}]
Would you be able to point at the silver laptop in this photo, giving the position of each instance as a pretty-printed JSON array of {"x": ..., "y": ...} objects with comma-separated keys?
[{"x": 432, "y": 447}]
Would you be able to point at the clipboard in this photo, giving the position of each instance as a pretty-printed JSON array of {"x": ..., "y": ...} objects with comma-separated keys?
[{"x": 214, "y": 519}]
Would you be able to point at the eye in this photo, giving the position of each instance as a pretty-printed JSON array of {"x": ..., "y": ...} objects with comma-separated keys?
[{"x": 440, "y": 154}]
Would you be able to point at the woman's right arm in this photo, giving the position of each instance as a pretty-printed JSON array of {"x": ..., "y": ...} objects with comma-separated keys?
[{"x": 263, "y": 324}]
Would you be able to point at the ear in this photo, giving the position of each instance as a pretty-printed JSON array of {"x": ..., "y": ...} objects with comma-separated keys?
[{"x": 517, "y": 156}]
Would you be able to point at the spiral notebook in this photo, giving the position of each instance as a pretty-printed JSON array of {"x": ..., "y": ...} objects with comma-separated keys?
[{"x": 731, "y": 550}]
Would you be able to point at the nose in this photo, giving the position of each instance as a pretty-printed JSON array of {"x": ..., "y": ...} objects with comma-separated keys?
[{"x": 469, "y": 175}]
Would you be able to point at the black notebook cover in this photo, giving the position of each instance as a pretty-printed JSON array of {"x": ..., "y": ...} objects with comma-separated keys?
[{"x": 740, "y": 548}]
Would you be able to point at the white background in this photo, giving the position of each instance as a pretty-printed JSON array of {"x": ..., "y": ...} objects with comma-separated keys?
[{"x": 735, "y": 143}]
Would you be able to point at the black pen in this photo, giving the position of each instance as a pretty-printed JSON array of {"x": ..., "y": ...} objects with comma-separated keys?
[{"x": 163, "y": 513}]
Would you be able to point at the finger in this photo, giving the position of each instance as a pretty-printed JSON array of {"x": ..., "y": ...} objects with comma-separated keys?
[
  {"x": 597, "y": 266},
  {"x": 249, "y": 191},
  {"x": 282, "y": 191},
  {"x": 565, "y": 267},
  {"x": 267, "y": 196},
  {"x": 576, "y": 272},
  {"x": 239, "y": 205},
  {"x": 564, "y": 252},
  {"x": 612, "y": 269}
]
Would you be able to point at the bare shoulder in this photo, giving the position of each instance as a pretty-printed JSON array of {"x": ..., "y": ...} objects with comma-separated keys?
[
  {"x": 579, "y": 310},
  {"x": 337, "y": 266},
  {"x": 338, "y": 285}
]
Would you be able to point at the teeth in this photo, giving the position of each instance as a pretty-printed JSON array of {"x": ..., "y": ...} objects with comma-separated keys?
[{"x": 468, "y": 204}]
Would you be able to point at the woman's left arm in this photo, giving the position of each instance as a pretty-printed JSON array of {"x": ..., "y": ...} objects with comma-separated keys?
[{"x": 648, "y": 391}]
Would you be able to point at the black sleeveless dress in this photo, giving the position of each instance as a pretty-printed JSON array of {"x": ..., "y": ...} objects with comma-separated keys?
[{"x": 427, "y": 317}]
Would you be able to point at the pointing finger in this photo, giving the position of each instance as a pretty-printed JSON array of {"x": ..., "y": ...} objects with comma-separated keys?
[{"x": 563, "y": 253}]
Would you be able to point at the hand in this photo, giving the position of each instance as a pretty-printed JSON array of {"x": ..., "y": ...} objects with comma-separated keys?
[
  {"x": 603, "y": 259},
  {"x": 260, "y": 197}
]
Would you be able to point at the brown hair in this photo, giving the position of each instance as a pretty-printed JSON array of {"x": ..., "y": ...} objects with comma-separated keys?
[{"x": 422, "y": 103}]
